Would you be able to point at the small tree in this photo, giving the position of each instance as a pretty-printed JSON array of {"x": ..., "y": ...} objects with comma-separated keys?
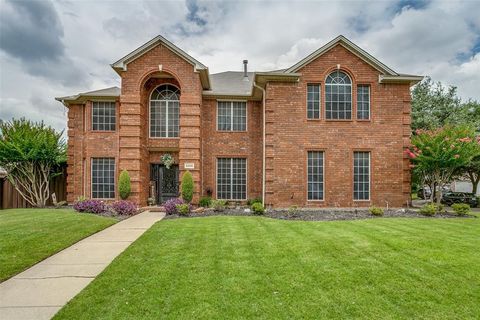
[
  {"x": 438, "y": 154},
  {"x": 124, "y": 187},
  {"x": 187, "y": 186},
  {"x": 31, "y": 153}
]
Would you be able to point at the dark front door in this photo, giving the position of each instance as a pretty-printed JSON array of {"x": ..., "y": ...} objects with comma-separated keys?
[{"x": 165, "y": 181}]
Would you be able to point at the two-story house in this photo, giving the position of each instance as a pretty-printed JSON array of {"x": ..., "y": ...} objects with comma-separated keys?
[{"x": 327, "y": 131}]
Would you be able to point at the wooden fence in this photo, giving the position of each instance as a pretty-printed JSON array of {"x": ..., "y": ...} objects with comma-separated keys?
[{"x": 10, "y": 198}]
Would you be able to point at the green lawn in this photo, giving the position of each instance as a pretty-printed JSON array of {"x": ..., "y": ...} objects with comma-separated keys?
[
  {"x": 260, "y": 268},
  {"x": 28, "y": 236}
]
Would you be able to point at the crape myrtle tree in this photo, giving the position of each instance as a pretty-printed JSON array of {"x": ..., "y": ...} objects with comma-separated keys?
[
  {"x": 438, "y": 154},
  {"x": 32, "y": 154}
]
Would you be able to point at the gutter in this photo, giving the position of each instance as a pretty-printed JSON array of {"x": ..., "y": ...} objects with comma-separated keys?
[{"x": 263, "y": 151}]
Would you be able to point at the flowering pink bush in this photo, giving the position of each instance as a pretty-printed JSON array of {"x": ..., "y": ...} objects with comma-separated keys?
[
  {"x": 124, "y": 207},
  {"x": 171, "y": 205},
  {"x": 90, "y": 206}
]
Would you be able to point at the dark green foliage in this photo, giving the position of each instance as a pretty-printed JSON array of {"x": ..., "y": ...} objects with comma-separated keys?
[
  {"x": 254, "y": 200},
  {"x": 257, "y": 208},
  {"x": 205, "y": 201},
  {"x": 187, "y": 186},
  {"x": 124, "y": 187}
]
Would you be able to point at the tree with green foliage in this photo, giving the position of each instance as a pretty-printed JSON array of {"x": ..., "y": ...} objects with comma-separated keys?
[
  {"x": 438, "y": 154},
  {"x": 471, "y": 171},
  {"x": 31, "y": 153},
  {"x": 187, "y": 186},
  {"x": 124, "y": 186},
  {"x": 435, "y": 106}
]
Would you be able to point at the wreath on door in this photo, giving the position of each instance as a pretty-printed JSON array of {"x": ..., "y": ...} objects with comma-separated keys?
[{"x": 167, "y": 160}]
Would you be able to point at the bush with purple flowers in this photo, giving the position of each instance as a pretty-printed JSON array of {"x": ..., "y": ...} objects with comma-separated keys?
[
  {"x": 171, "y": 205},
  {"x": 124, "y": 207},
  {"x": 90, "y": 206}
]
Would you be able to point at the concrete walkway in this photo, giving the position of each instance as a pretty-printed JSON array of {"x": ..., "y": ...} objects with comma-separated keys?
[{"x": 39, "y": 292}]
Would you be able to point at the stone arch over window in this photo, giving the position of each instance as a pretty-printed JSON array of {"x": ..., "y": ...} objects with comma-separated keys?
[
  {"x": 338, "y": 96},
  {"x": 165, "y": 111}
]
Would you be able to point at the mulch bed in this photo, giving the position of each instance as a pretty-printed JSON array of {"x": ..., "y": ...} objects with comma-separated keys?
[{"x": 321, "y": 214}]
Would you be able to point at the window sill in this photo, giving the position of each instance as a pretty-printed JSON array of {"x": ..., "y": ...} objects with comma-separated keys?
[
  {"x": 364, "y": 120},
  {"x": 164, "y": 138},
  {"x": 339, "y": 120},
  {"x": 231, "y": 131},
  {"x": 103, "y": 131}
]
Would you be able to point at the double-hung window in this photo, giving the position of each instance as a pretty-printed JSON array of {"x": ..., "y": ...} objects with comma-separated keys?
[
  {"x": 103, "y": 178},
  {"x": 315, "y": 175},
  {"x": 103, "y": 116},
  {"x": 313, "y": 101},
  {"x": 232, "y": 178},
  {"x": 363, "y": 102},
  {"x": 338, "y": 96},
  {"x": 165, "y": 112},
  {"x": 231, "y": 116},
  {"x": 361, "y": 175}
]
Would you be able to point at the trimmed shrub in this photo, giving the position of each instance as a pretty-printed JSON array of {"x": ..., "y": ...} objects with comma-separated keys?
[
  {"x": 183, "y": 209},
  {"x": 124, "y": 207},
  {"x": 250, "y": 202},
  {"x": 205, "y": 201},
  {"x": 90, "y": 206},
  {"x": 292, "y": 210},
  {"x": 171, "y": 205},
  {"x": 124, "y": 187},
  {"x": 376, "y": 211},
  {"x": 461, "y": 208},
  {"x": 429, "y": 209},
  {"x": 187, "y": 186},
  {"x": 218, "y": 205},
  {"x": 257, "y": 208}
]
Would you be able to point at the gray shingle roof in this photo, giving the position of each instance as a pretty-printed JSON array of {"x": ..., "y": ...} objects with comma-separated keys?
[
  {"x": 107, "y": 92},
  {"x": 230, "y": 83}
]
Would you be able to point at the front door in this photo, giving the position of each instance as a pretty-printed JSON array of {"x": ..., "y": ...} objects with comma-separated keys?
[{"x": 165, "y": 181}]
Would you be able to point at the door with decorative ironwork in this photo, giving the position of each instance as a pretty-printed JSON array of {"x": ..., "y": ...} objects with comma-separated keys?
[{"x": 165, "y": 181}]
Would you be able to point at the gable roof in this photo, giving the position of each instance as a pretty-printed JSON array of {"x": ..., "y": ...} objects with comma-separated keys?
[
  {"x": 102, "y": 94},
  {"x": 350, "y": 46},
  {"x": 121, "y": 64}
]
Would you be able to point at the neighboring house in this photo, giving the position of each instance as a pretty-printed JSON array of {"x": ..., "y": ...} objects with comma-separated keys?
[
  {"x": 463, "y": 186},
  {"x": 328, "y": 131}
]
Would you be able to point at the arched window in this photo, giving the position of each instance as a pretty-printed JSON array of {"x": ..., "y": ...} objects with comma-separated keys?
[
  {"x": 338, "y": 96},
  {"x": 165, "y": 112}
]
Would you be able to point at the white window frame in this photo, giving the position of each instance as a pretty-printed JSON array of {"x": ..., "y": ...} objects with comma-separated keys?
[
  {"x": 369, "y": 175},
  {"x": 369, "y": 101},
  {"x": 319, "y": 100},
  {"x": 114, "y": 178},
  {"x": 231, "y": 115},
  {"x": 92, "y": 115},
  {"x": 323, "y": 176},
  {"x": 331, "y": 85},
  {"x": 231, "y": 174},
  {"x": 166, "y": 113}
]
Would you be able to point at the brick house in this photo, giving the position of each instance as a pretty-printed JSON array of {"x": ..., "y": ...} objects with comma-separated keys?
[{"x": 328, "y": 131}]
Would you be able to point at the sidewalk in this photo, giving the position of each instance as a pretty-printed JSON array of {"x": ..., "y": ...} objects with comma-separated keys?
[{"x": 40, "y": 291}]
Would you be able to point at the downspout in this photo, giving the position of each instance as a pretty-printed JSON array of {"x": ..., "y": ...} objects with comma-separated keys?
[{"x": 263, "y": 151}]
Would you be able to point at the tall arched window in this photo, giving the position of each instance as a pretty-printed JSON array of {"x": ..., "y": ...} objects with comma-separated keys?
[
  {"x": 338, "y": 96},
  {"x": 165, "y": 112}
]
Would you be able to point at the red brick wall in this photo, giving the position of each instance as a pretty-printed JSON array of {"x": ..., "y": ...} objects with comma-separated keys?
[{"x": 290, "y": 136}]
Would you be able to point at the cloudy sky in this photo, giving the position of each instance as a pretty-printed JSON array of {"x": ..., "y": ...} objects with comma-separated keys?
[{"x": 50, "y": 49}]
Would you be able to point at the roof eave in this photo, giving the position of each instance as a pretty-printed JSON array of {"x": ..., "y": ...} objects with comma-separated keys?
[{"x": 411, "y": 80}]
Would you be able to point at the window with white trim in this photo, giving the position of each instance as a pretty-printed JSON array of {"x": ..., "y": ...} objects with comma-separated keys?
[
  {"x": 363, "y": 102},
  {"x": 231, "y": 116},
  {"x": 103, "y": 116},
  {"x": 361, "y": 175},
  {"x": 315, "y": 175},
  {"x": 338, "y": 96},
  {"x": 232, "y": 178},
  {"x": 313, "y": 101},
  {"x": 103, "y": 178},
  {"x": 165, "y": 112}
]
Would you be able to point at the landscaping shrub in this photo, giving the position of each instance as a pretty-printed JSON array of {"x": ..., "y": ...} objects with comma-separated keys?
[
  {"x": 183, "y": 209},
  {"x": 250, "y": 202},
  {"x": 429, "y": 209},
  {"x": 187, "y": 186},
  {"x": 461, "y": 208},
  {"x": 171, "y": 205},
  {"x": 124, "y": 207},
  {"x": 376, "y": 211},
  {"x": 292, "y": 210},
  {"x": 124, "y": 187},
  {"x": 218, "y": 205},
  {"x": 257, "y": 208},
  {"x": 205, "y": 201},
  {"x": 90, "y": 206}
]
